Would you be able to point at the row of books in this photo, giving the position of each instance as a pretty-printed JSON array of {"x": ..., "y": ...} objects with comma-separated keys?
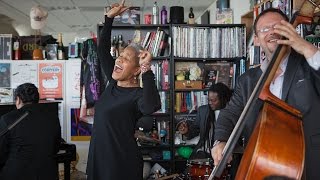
[
  {"x": 164, "y": 98},
  {"x": 161, "y": 71},
  {"x": 157, "y": 43},
  {"x": 189, "y": 101},
  {"x": 284, "y": 5},
  {"x": 209, "y": 42}
]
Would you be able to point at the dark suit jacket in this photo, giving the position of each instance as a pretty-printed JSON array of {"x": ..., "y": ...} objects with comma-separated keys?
[
  {"x": 198, "y": 128},
  {"x": 301, "y": 89},
  {"x": 27, "y": 152},
  {"x": 203, "y": 122}
]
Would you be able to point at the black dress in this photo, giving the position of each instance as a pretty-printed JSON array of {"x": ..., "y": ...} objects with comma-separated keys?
[{"x": 113, "y": 153}]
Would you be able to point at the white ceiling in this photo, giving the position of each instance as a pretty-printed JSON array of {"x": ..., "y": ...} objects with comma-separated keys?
[{"x": 83, "y": 15}]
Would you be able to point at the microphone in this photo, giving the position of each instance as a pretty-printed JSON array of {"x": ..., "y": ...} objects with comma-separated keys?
[{"x": 25, "y": 114}]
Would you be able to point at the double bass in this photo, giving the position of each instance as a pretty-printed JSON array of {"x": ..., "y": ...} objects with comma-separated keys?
[{"x": 276, "y": 146}]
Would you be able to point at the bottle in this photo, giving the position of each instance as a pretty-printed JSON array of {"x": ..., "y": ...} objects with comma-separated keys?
[
  {"x": 37, "y": 54},
  {"x": 60, "y": 49},
  {"x": 16, "y": 49},
  {"x": 191, "y": 16},
  {"x": 120, "y": 44},
  {"x": 163, "y": 15},
  {"x": 154, "y": 133},
  {"x": 155, "y": 13},
  {"x": 114, "y": 47}
]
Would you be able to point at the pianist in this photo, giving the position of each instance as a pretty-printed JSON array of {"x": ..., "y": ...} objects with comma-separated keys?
[{"x": 27, "y": 151}]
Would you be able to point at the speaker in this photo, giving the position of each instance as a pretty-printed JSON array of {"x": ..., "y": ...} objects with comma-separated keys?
[
  {"x": 223, "y": 4},
  {"x": 176, "y": 15}
]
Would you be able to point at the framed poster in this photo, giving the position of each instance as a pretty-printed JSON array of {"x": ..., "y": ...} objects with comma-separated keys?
[
  {"x": 50, "y": 81},
  {"x": 23, "y": 72}
]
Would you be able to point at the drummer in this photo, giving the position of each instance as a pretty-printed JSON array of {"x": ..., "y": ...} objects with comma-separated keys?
[{"x": 218, "y": 96}]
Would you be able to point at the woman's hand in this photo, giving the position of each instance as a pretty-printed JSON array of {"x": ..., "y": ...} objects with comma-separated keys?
[
  {"x": 116, "y": 9},
  {"x": 145, "y": 60}
]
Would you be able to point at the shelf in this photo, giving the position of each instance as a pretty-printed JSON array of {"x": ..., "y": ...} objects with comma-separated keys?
[
  {"x": 180, "y": 160},
  {"x": 161, "y": 58},
  {"x": 158, "y": 161},
  {"x": 138, "y": 26},
  {"x": 185, "y": 114},
  {"x": 154, "y": 58},
  {"x": 206, "y": 59},
  {"x": 160, "y": 114},
  {"x": 164, "y": 90},
  {"x": 156, "y": 146},
  {"x": 189, "y": 90},
  {"x": 209, "y": 25},
  {"x": 185, "y": 145}
]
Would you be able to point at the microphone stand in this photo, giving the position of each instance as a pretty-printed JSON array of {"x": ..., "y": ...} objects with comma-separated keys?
[{"x": 14, "y": 124}]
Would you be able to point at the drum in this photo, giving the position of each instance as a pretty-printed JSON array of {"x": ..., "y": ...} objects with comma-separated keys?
[{"x": 200, "y": 169}]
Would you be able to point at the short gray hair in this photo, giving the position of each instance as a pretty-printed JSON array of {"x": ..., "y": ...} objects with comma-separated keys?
[{"x": 137, "y": 47}]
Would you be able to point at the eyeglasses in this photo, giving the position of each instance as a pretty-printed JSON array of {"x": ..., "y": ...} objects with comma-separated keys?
[{"x": 266, "y": 29}]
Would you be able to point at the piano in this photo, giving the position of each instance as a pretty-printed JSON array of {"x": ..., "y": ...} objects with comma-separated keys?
[{"x": 67, "y": 151}]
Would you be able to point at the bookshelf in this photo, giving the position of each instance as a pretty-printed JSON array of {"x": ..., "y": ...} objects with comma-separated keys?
[
  {"x": 193, "y": 48},
  {"x": 235, "y": 46}
]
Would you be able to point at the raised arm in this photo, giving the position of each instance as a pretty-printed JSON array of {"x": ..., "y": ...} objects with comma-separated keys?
[
  {"x": 106, "y": 60},
  {"x": 151, "y": 100}
]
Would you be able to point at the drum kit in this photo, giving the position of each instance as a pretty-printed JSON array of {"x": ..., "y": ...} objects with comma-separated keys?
[{"x": 200, "y": 169}]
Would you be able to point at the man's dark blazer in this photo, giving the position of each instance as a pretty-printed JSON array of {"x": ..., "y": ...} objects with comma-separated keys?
[
  {"x": 27, "y": 152},
  {"x": 202, "y": 121},
  {"x": 301, "y": 89}
]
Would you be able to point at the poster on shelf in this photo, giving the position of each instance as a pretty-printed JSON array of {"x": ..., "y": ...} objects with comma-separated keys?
[
  {"x": 50, "y": 81},
  {"x": 23, "y": 72},
  {"x": 5, "y": 76}
]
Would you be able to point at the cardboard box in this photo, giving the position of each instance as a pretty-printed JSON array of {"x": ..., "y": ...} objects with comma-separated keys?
[
  {"x": 5, "y": 46},
  {"x": 187, "y": 84}
]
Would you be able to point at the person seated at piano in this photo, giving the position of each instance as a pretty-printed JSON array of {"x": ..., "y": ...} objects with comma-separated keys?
[
  {"x": 218, "y": 96},
  {"x": 27, "y": 151}
]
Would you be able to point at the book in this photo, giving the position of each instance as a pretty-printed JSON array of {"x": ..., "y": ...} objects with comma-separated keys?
[{"x": 216, "y": 72}]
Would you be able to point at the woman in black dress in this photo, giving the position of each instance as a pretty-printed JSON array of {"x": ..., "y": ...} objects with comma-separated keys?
[{"x": 113, "y": 153}]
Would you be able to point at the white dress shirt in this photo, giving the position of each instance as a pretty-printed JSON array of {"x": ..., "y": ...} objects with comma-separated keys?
[{"x": 276, "y": 85}]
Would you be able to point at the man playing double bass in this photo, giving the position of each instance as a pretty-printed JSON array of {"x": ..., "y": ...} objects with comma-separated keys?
[{"x": 297, "y": 82}]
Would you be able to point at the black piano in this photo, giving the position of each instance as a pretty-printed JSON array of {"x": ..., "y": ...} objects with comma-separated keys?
[{"x": 67, "y": 152}]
